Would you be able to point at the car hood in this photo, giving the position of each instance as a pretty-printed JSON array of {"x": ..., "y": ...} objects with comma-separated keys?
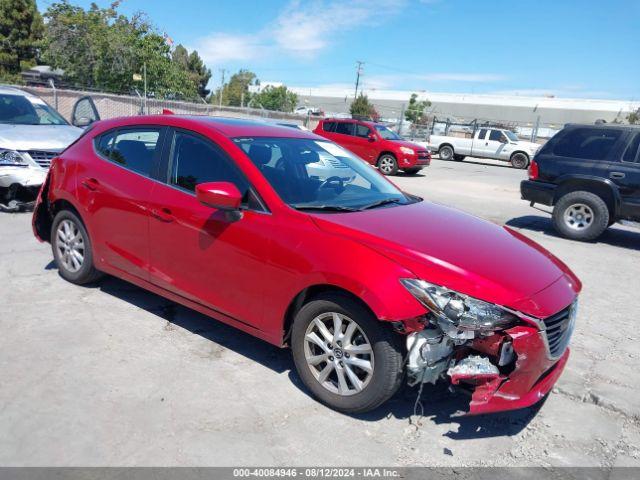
[
  {"x": 405, "y": 143},
  {"x": 447, "y": 247},
  {"x": 528, "y": 145},
  {"x": 37, "y": 137}
]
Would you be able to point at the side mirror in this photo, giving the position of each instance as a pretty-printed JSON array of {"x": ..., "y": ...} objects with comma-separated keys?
[
  {"x": 83, "y": 122},
  {"x": 221, "y": 195},
  {"x": 372, "y": 137}
]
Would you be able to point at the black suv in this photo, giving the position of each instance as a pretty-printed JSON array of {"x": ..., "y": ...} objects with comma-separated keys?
[{"x": 590, "y": 174}]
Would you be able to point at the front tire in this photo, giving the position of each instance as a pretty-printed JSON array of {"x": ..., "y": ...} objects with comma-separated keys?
[
  {"x": 72, "y": 250},
  {"x": 519, "y": 161},
  {"x": 446, "y": 152},
  {"x": 388, "y": 164},
  {"x": 581, "y": 216},
  {"x": 344, "y": 355}
]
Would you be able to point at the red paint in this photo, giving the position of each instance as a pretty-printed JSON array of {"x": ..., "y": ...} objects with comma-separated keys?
[
  {"x": 371, "y": 147},
  {"x": 222, "y": 195},
  {"x": 247, "y": 272}
]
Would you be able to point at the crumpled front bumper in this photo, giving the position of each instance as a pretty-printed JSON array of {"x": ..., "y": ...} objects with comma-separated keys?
[
  {"x": 22, "y": 176},
  {"x": 532, "y": 377}
]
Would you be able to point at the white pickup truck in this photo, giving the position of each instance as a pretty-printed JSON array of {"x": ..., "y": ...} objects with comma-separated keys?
[{"x": 486, "y": 142}]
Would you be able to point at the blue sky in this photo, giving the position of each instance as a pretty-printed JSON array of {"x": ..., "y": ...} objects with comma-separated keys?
[{"x": 569, "y": 48}]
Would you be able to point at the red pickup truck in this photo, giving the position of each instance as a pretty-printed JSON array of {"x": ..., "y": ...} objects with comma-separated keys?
[{"x": 376, "y": 144}]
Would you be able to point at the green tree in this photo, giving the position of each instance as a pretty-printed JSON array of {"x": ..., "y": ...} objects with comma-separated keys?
[
  {"x": 100, "y": 48},
  {"x": 236, "y": 92},
  {"x": 194, "y": 66},
  {"x": 634, "y": 117},
  {"x": 20, "y": 33},
  {"x": 276, "y": 98},
  {"x": 415, "y": 110},
  {"x": 361, "y": 106}
]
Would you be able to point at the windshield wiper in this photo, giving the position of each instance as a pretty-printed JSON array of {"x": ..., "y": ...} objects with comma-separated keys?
[
  {"x": 327, "y": 208},
  {"x": 384, "y": 201}
]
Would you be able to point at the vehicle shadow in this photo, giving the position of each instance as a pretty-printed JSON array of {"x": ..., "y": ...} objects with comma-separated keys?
[
  {"x": 616, "y": 237},
  {"x": 438, "y": 403},
  {"x": 477, "y": 162}
]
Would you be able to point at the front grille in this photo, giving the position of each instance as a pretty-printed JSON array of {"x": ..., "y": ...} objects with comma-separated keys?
[
  {"x": 558, "y": 329},
  {"x": 42, "y": 157}
]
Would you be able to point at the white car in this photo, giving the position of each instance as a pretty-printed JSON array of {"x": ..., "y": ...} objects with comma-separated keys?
[
  {"x": 487, "y": 142},
  {"x": 31, "y": 134}
]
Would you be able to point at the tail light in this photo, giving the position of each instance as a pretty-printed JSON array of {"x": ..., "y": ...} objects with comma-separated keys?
[{"x": 533, "y": 170}]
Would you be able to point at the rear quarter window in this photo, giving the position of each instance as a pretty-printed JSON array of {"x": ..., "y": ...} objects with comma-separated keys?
[
  {"x": 587, "y": 143},
  {"x": 328, "y": 126}
]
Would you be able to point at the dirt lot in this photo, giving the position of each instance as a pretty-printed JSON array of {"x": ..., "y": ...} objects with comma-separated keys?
[{"x": 112, "y": 375}]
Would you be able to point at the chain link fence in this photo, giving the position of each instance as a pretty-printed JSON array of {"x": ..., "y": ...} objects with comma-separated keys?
[{"x": 114, "y": 105}]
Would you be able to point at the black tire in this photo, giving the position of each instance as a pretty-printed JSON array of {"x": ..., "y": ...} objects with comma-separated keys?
[
  {"x": 387, "y": 360},
  {"x": 580, "y": 216},
  {"x": 86, "y": 273},
  {"x": 446, "y": 152},
  {"x": 411, "y": 171},
  {"x": 519, "y": 160},
  {"x": 388, "y": 164},
  {"x": 458, "y": 158}
]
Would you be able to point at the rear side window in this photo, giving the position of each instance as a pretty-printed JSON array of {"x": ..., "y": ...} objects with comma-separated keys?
[
  {"x": 345, "y": 128},
  {"x": 133, "y": 148},
  {"x": 482, "y": 134},
  {"x": 195, "y": 160},
  {"x": 362, "y": 131},
  {"x": 328, "y": 126},
  {"x": 587, "y": 143},
  {"x": 631, "y": 153}
]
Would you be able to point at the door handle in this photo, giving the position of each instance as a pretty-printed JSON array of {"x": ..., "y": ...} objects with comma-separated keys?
[
  {"x": 617, "y": 175},
  {"x": 163, "y": 214},
  {"x": 90, "y": 184}
]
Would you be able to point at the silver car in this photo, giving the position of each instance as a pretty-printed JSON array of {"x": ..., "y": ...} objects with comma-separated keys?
[{"x": 31, "y": 134}]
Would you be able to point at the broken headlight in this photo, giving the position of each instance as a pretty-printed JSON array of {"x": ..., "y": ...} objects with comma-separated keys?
[
  {"x": 462, "y": 311},
  {"x": 11, "y": 158}
]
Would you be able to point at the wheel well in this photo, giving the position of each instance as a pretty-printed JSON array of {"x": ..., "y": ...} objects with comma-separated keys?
[
  {"x": 597, "y": 188},
  {"x": 446, "y": 145},
  {"x": 46, "y": 221},
  {"x": 307, "y": 295},
  {"x": 386, "y": 153},
  {"x": 520, "y": 151}
]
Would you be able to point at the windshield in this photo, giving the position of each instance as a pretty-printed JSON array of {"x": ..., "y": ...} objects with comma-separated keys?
[
  {"x": 511, "y": 136},
  {"x": 387, "y": 134},
  {"x": 319, "y": 175},
  {"x": 20, "y": 110}
]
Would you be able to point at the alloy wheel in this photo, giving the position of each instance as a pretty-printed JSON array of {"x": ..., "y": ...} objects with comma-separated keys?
[
  {"x": 70, "y": 245},
  {"x": 578, "y": 216},
  {"x": 387, "y": 164},
  {"x": 338, "y": 353}
]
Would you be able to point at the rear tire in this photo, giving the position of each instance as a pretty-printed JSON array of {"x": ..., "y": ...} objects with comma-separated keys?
[
  {"x": 446, "y": 152},
  {"x": 519, "y": 160},
  {"x": 337, "y": 380},
  {"x": 388, "y": 164},
  {"x": 72, "y": 250},
  {"x": 581, "y": 216}
]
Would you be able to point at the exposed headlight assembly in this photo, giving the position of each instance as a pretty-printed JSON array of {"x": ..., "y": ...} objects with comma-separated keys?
[
  {"x": 457, "y": 310},
  {"x": 11, "y": 158},
  {"x": 407, "y": 150}
]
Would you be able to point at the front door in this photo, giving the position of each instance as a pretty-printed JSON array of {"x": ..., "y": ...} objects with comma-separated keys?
[
  {"x": 202, "y": 253},
  {"x": 362, "y": 145},
  {"x": 493, "y": 144}
]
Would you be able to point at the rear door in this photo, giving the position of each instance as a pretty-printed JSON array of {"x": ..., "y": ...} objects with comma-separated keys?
[
  {"x": 579, "y": 151},
  {"x": 344, "y": 135},
  {"x": 625, "y": 173},
  {"x": 477, "y": 143},
  {"x": 114, "y": 187}
]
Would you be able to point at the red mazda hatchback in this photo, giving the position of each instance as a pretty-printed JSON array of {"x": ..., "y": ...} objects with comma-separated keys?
[{"x": 291, "y": 238}]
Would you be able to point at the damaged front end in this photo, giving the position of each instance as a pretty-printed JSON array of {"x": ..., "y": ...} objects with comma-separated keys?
[
  {"x": 20, "y": 181},
  {"x": 504, "y": 359}
]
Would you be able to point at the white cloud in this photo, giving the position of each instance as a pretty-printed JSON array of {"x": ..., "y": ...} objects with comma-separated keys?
[
  {"x": 462, "y": 77},
  {"x": 223, "y": 47},
  {"x": 306, "y": 29}
]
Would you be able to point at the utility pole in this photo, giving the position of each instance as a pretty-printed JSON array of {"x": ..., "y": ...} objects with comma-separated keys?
[
  {"x": 222, "y": 71},
  {"x": 359, "y": 69}
]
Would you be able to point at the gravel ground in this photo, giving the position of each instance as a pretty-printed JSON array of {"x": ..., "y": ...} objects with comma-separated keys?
[{"x": 114, "y": 376}]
